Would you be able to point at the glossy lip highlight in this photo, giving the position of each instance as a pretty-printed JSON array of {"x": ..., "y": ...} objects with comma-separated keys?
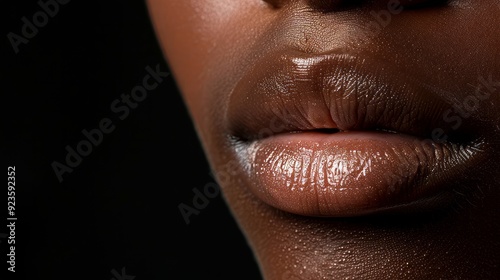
[{"x": 379, "y": 160}]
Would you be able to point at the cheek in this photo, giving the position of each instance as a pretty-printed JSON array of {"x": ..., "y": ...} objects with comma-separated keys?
[{"x": 198, "y": 39}]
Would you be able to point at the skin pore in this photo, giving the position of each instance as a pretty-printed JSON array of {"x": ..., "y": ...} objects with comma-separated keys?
[{"x": 351, "y": 139}]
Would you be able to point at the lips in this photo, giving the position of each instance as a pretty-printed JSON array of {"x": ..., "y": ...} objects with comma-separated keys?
[{"x": 344, "y": 135}]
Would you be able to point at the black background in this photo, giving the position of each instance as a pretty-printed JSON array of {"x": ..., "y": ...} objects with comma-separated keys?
[{"x": 119, "y": 207}]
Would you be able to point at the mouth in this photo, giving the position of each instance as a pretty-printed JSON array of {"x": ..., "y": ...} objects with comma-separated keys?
[{"x": 339, "y": 135}]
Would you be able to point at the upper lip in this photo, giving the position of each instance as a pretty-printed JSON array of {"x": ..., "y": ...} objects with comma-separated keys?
[{"x": 293, "y": 91}]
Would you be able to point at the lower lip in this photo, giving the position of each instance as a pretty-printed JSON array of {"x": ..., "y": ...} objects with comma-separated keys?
[{"x": 350, "y": 173}]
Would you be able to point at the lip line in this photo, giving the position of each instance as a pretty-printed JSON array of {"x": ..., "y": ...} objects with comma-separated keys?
[
  {"x": 253, "y": 100},
  {"x": 324, "y": 131}
]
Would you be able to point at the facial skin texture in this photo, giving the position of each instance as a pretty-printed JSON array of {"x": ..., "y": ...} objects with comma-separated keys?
[{"x": 445, "y": 50}]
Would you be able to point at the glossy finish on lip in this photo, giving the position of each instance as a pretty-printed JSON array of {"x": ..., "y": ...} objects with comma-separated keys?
[{"x": 379, "y": 160}]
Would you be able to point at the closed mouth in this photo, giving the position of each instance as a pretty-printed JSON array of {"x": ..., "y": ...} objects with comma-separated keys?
[{"x": 343, "y": 135}]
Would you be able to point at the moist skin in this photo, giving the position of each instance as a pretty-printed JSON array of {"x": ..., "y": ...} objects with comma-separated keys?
[{"x": 210, "y": 45}]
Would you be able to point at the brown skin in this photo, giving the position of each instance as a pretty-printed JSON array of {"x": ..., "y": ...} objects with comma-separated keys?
[{"x": 210, "y": 44}]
